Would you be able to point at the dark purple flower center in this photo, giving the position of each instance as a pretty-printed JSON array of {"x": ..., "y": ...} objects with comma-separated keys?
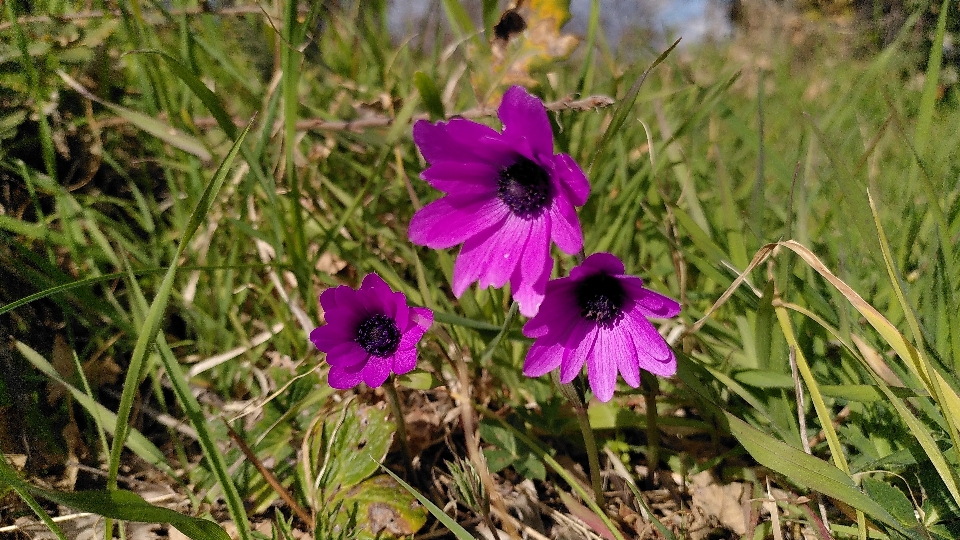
[
  {"x": 525, "y": 188},
  {"x": 379, "y": 335},
  {"x": 600, "y": 298}
]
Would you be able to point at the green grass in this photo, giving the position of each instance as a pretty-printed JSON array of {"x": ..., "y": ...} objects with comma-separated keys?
[{"x": 147, "y": 229}]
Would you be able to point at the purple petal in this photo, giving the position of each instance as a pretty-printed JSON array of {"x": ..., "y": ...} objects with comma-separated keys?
[
  {"x": 653, "y": 353},
  {"x": 404, "y": 360},
  {"x": 376, "y": 371},
  {"x": 542, "y": 359},
  {"x": 623, "y": 354},
  {"x": 529, "y": 279},
  {"x": 600, "y": 262},
  {"x": 492, "y": 260},
  {"x": 571, "y": 177},
  {"x": 650, "y": 303},
  {"x": 577, "y": 349},
  {"x": 420, "y": 320},
  {"x": 342, "y": 378},
  {"x": 347, "y": 353},
  {"x": 565, "y": 226},
  {"x": 461, "y": 140},
  {"x": 336, "y": 298},
  {"x": 524, "y": 116},
  {"x": 558, "y": 312},
  {"x": 463, "y": 178},
  {"x": 601, "y": 368},
  {"x": 326, "y": 338},
  {"x": 452, "y": 220}
]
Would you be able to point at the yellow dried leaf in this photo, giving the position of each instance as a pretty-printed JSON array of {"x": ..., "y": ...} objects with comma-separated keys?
[{"x": 526, "y": 38}]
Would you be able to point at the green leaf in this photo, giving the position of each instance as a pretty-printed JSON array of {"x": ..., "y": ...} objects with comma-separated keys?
[
  {"x": 435, "y": 511},
  {"x": 891, "y": 498},
  {"x": 209, "y": 99},
  {"x": 807, "y": 470},
  {"x": 128, "y": 506},
  {"x": 430, "y": 95},
  {"x": 379, "y": 507},
  {"x": 623, "y": 109},
  {"x": 120, "y": 504},
  {"x": 355, "y": 442},
  {"x": 158, "y": 129},
  {"x": 498, "y": 459},
  {"x": 136, "y": 442}
]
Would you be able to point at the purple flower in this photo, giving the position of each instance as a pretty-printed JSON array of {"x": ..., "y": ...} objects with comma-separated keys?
[
  {"x": 598, "y": 315},
  {"x": 508, "y": 195},
  {"x": 369, "y": 332}
]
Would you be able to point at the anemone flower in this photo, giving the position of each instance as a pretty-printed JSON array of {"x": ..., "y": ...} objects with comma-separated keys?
[
  {"x": 598, "y": 315},
  {"x": 369, "y": 333},
  {"x": 508, "y": 196}
]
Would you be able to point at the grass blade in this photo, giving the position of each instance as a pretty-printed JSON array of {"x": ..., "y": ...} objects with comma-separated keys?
[
  {"x": 624, "y": 108},
  {"x": 441, "y": 516}
]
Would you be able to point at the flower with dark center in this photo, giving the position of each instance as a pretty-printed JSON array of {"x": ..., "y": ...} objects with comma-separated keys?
[
  {"x": 525, "y": 188},
  {"x": 507, "y": 197},
  {"x": 378, "y": 335},
  {"x": 600, "y": 298},
  {"x": 369, "y": 333},
  {"x": 598, "y": 316}
]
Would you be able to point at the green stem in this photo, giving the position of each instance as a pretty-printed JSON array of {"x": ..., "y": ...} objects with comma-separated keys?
[
  {"x": 394, "y": 398},
  {"x": 593, "y": 457},
  {"x": 651, "y": 389}
]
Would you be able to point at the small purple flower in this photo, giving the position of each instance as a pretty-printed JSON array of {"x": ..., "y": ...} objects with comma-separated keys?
[
  {"x": 369, "y": 332},
  {"x": 508, "y": 195},
  {"x": 598, "y": 315}
]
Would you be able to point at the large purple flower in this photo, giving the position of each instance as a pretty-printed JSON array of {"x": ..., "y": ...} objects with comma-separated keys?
[
  {"x": 508, "y": 195},
  {"x": 369, "y": 332},
  {"x": 598, "y": 315}
]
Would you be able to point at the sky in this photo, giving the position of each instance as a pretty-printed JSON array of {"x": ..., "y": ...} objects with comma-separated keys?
[{"x": 691, "y": 19}]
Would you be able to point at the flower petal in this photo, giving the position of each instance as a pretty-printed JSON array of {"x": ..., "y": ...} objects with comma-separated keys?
[
  {"x": 460, "y": 140},
  {"x": 542, "y": 359},
  {"x": 376, "y": 371},
  {"x": 577, "y": 348},
  {"x": 601, "y": 368},
  {"x": 653, "y": 353},
  {"x": 342, "y": 378},
  {"x": 348, "y": 353},
  {"x": 650, "y": 303},
  {"x": 623, "y": 352},
  {"x": 600, "y": 262},
  {"x": 453, "y": 219},
  {"x": 529, "y": 279},
  {"x": 497, "y": 255},
  {"x": 463, "y": 178},
  {"x": 404, "y": 360},
  {"x": 557, "y": 314},
  {"x": 326, "y": 338},
  {"x": 524, "y": 116},
  {"x": 571, "y": 177},
  {"x": 565, "y": 226}
]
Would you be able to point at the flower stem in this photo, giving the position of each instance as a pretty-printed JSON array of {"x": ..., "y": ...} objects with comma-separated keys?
[
  {"x": 394, "y": 398},
  {"x": 576, "y": 398},
  {"x": 593, "y": 457},
  {"x": 650, "y": 390}
]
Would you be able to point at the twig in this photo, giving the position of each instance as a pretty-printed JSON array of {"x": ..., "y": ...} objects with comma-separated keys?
[
  {"x": 270, "y": 478},
  {"x": 376, "y": 120}
]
